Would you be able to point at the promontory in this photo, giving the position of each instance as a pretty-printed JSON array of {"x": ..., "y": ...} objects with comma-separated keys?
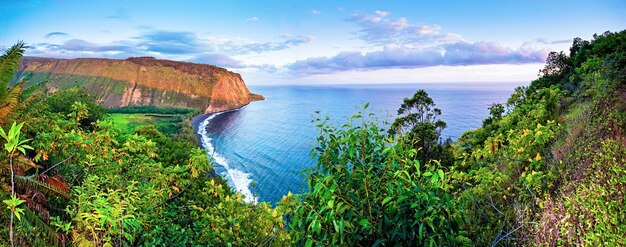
[{"x": 144, "y": 81}]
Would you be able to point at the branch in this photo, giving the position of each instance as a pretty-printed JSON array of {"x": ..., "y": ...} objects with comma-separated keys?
[
  {"x": 497, "y": 240},
  {"x": 50, "y": 168},
  {"x": 173, "y": 197}
]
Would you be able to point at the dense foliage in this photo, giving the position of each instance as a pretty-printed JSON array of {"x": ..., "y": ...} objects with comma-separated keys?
[
  {"x": 371, "y": 189},
  {"x": 546, "y": 168},
  {"x": 153, "y": 109}
]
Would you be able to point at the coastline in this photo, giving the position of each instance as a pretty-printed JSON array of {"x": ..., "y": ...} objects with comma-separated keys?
[{"x": 237, "y": 179}]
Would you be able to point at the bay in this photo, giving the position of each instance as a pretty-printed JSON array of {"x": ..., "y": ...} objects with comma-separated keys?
[{"x": 262, "y": 148}]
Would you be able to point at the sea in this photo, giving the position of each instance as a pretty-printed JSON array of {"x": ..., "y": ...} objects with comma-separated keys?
[{"x": 262, "y": 148}]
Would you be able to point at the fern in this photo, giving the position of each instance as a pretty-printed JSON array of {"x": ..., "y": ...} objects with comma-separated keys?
[
  {"x": 41, "y": 186},
  {"x": 9, "y": 64},
  {"x": 9, "y": 101},
  {"x": 18, "y": 98},
  {"x": 34, "y": 221},
  {"x": 10, "y": 97}
]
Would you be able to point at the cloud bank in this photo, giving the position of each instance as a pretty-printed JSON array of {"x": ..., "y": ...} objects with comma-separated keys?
[
  {"x": 379, "y": 29},
  {"x": 390, "y": 43},
  {"x": 400, "y": 44},
  {"x": 392, "y": 56},
  {"x": 177, "y": 45}
]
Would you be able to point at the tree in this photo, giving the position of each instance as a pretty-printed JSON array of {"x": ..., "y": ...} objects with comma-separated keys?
[
  {"x": 495, "y": 113},
  {"x": 419, "y": 122},
  {"x": 370, "y": 190}
]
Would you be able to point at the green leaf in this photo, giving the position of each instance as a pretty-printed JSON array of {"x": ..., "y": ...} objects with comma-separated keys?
[
  {"x": 18, "y": 213},
  {"x": 421, "y": 232},
  {"x": 434, "y": 178},
  {"x": 378, "y": 242},
  {"x": 440, "y": 172},
  {"x": 341, "y": 226},
  {"x": 402, "y": 198},
  {"x": 387, "y": 199},
  {"x": 364, "y": 223},
  {"x": 3, "y": 134},
  {"x": 427, "y": 174}
]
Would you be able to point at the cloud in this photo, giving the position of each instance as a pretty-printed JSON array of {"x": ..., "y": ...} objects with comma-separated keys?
[
  {"x": 403, "y": 45},
  {"x": 379, "y": 29},
  {"x": 119, "y": 14},
  {"x": 85, "y": 46},
  {"x": 218, "y": 59},
  {"x": 315, "y": 12},
  {"x": 254, "y": 18},
  {"x": 223, "y": 60},
  {"x": 547, "y": 42},
  {"x": 170, "y": 42},
  {"x": 177, "y": 43},
  {"x": 55, "y": 34},
  {"x": 394, "y": 56},
  {"x": 243, "y": 46}
]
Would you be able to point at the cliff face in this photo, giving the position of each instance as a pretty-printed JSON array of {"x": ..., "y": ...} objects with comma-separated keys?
[{"x": 145, "y": 81}]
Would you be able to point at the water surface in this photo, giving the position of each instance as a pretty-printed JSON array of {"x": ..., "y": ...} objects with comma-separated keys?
[{"x": 262, "y": 148}]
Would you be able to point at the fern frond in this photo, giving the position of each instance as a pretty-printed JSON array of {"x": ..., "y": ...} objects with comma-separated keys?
[
  {"x": 32, "y": 220},
  {"x": 9, "y": 63},
  {"x": 24, "y": 163},
  {"x": 41, "y": 186},
  {"x": 9, "y": 101}
]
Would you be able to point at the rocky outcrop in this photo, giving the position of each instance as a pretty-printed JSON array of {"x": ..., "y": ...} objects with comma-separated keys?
[{"x": 145, "y": 81}]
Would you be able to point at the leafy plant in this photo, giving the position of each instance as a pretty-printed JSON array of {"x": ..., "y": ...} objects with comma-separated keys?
[
  {"x": 369, "y": 189},
  {"x": 14, "y": 143}
]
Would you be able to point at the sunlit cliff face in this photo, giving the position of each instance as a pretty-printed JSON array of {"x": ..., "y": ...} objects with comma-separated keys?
[{"x": 145, "y": 81}]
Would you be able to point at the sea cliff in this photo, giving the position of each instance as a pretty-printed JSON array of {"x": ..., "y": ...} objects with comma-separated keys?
[{"x": 144, "y": 81}]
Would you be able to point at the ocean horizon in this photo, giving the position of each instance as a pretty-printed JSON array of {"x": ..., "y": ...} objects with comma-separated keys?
[{"x": 261, "y": 149}]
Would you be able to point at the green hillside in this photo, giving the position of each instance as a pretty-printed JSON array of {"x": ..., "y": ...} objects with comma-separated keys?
[{"x": 546, "y": 168}]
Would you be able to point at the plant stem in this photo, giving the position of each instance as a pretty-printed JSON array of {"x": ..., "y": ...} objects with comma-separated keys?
[{"x": 12, "y": 196}]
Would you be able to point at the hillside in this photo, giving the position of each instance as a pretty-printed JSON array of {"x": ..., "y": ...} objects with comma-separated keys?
[
  {"x": 548, "y": 168},
  {"x": 144, "y": 81}
]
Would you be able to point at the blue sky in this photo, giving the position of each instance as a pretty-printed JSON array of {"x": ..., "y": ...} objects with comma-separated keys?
[{"x": 318, "y": 42}]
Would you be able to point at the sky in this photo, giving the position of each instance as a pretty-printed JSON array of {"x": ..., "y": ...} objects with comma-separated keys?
[{"x": 318, "y": 42}]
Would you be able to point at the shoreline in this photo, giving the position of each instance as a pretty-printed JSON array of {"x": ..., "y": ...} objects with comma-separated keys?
[{"x": 237, "y": 179}]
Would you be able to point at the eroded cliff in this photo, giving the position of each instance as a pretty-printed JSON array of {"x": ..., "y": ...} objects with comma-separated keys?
[{"x": 145, "y": 81}]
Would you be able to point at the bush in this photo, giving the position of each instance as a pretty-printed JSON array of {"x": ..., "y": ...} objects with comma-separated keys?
[{"x": 369, "y": 190}]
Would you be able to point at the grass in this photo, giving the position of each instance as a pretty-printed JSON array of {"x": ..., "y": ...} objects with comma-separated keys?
[{"x": 166, "y": 123}]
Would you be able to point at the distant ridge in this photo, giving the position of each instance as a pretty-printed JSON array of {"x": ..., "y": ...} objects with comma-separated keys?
[{"x": 144, "y": 81}]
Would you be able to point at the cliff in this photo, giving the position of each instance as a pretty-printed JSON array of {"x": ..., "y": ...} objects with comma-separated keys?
[{"x": 144, "y": 81}]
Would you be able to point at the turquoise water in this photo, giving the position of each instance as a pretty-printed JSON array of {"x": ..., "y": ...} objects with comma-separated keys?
[{"x": 262, "y": 148}]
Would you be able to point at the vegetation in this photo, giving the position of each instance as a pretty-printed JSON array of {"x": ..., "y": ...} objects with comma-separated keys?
[
  {"x": 546, "y": 168},
  {"x": 154, "y": 109},
  {"x": 165, "y": 123},
  {"x": 371, "y": 189}
]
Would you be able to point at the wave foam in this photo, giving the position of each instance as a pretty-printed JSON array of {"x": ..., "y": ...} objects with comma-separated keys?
[{"x": 239, "y": 179}]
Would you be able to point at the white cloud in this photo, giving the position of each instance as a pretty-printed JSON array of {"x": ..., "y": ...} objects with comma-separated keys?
[
  {"x": 474, "y": 73},
  {"x": 407, "y": 57},
  {"x": 379, "y": 29}
]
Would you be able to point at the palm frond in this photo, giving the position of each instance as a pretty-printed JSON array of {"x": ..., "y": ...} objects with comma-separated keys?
[
  {"x": 9, "y": 63},
  {"x": 34, "y": 221},
  {"x": 9, "y": 101},
  {"x": 51, "y": 189}
]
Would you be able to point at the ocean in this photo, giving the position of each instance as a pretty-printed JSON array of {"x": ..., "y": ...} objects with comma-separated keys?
[{"x": 262, "y": 148}]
